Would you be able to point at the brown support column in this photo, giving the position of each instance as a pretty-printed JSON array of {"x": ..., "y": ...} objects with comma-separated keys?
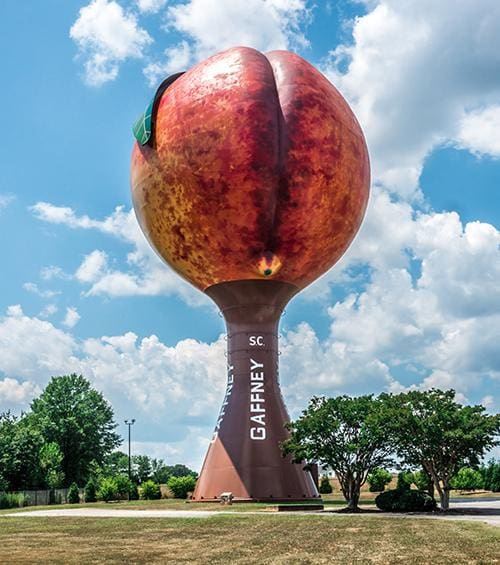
[{"x": 244, "y": 456}]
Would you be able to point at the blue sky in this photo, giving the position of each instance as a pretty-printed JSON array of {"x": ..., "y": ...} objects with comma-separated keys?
[{"x": 414, "y": 302}]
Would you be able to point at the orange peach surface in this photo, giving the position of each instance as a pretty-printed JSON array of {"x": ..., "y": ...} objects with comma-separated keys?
[{"x": 259, "y": 170}]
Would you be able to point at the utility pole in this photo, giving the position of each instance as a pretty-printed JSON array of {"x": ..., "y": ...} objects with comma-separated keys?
[{"x": 129, "y": 423}]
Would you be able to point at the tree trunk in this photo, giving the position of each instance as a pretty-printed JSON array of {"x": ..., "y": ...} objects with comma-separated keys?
[
  {"x": 352, "y": 495},
  {"x": 445, "y": 499}
]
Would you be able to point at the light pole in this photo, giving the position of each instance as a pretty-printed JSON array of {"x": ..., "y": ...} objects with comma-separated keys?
[{"x": 129, "y": 423}]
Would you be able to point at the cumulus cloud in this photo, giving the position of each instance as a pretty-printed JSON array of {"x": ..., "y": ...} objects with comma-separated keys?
[
  {"x": 147, "y": 275},
  {"x": 33, "y": 287},
  {"x": 412, "y": 73},
  {"x": 213, "y": 26},
  {"x": 14, "y": 392},
  {"x": 150, "y": 6},
  {"x": 71, "y": 318},
  {"x": 107, "y": 36},
  {"x": 479, "y": 132}
]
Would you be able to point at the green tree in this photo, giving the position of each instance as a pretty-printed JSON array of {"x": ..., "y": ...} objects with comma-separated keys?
[
  {"x": 142, "y": 467},
  {"x": 74, "y": 415},
  {"x": 378, "y": 479},
  {"x": 467, "y": 479},
  {"x": 432, "y": 430},
  {"x": 349, "y": 435},
  {"x": 73, "y": 494},
  {"x": 115, "y": 463},
  {"x": 20, "y": 444},
  {"x": 491, "y": 475},
  {"x": 423, "y": 481},
  {"x": 90, "y": 492},
  {"x": 51, "y": 458},
  {"x": 325, "y": 486}
]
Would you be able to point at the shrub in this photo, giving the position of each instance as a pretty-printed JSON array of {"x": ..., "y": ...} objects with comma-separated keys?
[
  {"x": 12, "y": 500},
  {"x": 405, "y": 479},
  {"x": 107, "y": 489},
  {"x": 378, "y": 479},
  {"x": 180, "y": 486},
  {"x": 491, "y": 476},
  {"x": 90, "y": 491},
  {"x": 73, "y": 494},
  {"x": 150, "y": 490},
  {"x": 405, "y": 500},
  {"x": 422, "y": 480},
  {"x": 467, "y": 479},
  {"x": 325, "y": 487}
]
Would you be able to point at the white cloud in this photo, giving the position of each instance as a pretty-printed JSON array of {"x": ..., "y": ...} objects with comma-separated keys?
[
  {"x": 414, "y": 70},
  {"x": 33, "y": 287},
  {"x": 214, "y": 26},
  {"x": 13, "y": 391},
  {"x": 72, "y": 318},
  {"x": 48, "y": 311},
  {"x": 106, "y": 36},
  {"x": 92, "y": 267},
  {"x": 5, "y": 200},
  {"x": 150, "y": 6},
  {"x": 176, "y": 59},
  {"x": 479, "y": 132},
  {"x": 147, "y": 275}
]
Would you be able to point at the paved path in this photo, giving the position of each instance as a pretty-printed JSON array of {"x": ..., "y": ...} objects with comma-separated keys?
[{"x": 482, "y": 511}]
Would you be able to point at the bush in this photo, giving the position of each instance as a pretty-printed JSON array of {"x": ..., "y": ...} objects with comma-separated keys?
[
  {"x": 180, "y": 486},
  {"x": 90, "y": 491},
  {"x": 491, "y": 476},
  {"x": 107, "y": 489},
  {"x": 325, "y": 487},
  {"x": 73, "y": 494},
  {"x": 405, "y": 479},
  {"x": 378, "y": 479},
  {"x": 11, "y": 500},
  {"x": 125, "y": 488},
  {"x": 467, "y": 479},
  {"x": 422, "y": 480},
  {"x": 405, "y": 500},
  {"x": 150, "y": 490}
]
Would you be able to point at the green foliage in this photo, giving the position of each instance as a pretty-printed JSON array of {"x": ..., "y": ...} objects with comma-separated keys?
[
  {"x": 349, "y": 435},
  {"x": 161, "y": 472},
  {"x": 142, "y": 467},
  {"x": 181, "y": 486},
  {"x": 405, "y": 500},
  {"x": 50, "y": 463},
  {"x": 491, "y": 475},
  {"x": 422, "y": 480},
  {"x": 435, "y": 432},
  {"x": 115, "y": 463},
  {"x": 11, "y": 500},
  {"x": 405, "y": 480},
  {"x": 73, "y": 494},
  {"x": 467, "y": 479},
  {"x": 150, "y": 490},
  {"x": 20, "y": 444},
  {"x": 90, "y": 491},
  {"x": 72, "y": 414},
  {"x": 325, "y": 486},
  {"x": 126, "y": 488},
  {"x": 108, "y": 490},
  {"x": 378, "y": 479}
]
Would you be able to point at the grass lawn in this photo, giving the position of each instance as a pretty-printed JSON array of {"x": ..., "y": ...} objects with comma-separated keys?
[{"x": 247, "y": 539}]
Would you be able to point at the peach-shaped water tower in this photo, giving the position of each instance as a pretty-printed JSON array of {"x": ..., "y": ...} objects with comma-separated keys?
[{"x": 250, "y": 178}]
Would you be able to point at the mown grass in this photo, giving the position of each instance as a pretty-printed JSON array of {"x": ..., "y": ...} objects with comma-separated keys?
[{"x": 243, "y": 538}]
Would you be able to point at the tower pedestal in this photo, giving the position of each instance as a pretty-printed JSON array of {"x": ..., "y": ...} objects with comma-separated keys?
[{"x": 244, "y": 456}]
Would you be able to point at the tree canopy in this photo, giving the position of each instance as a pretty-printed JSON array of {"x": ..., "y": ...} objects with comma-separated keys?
[
  {"x": 76, "y": 417},
  {"x": 433, "y": 431},
  {"x": 349, "y": 435}
]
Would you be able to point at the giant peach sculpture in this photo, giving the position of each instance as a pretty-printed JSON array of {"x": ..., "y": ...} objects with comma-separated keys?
[{"x": 250, "y": 178}]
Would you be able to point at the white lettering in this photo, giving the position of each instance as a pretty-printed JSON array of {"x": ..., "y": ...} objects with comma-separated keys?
[
  {"x": 258, "y": 433},
  {"x": 257, "y": 399}
]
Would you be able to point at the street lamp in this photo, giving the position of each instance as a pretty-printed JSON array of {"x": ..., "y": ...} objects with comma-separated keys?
[{"x": 129, "y": 423}]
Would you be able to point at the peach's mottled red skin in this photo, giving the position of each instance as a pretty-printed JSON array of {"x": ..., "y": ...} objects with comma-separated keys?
[{"x": 260, "y": 170}]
